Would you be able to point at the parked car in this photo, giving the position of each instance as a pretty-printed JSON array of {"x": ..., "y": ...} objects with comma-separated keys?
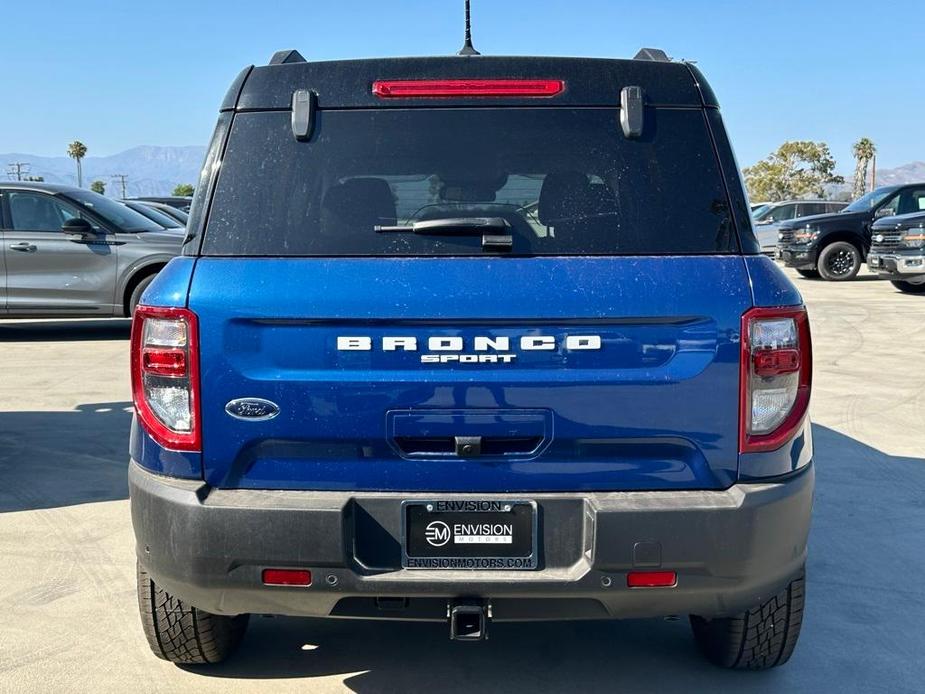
[
  {"x": 757, "y": 206},
  {"x": 70, "y": 252},
  {"x": 164, "y": 220},
  {"x": 833, "y": 246},
  {"x": 371, "y": 388},
  {"x": 769, "y": 217},
  {"x": 173, "y": 212},
  {"x": 897, "y": 251},
  {"x": 181, "y": 203}
]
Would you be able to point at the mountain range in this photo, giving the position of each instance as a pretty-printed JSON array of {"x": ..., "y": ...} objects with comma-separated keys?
[
  {"x": 153, "y": 170},
  {"x": 149, "y": 170},
  {"x": 913, "y": 172}
]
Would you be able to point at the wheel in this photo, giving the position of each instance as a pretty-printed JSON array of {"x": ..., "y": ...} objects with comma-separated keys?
[
  {"x": 909, "y": 287},
  {"x": 810, "y": 274},
  {"x": 136, "y": 294},
  {"x": 761, "y": 638},
  {"x": 181, "y": 633},
  {"x": 839, "y": 261}
]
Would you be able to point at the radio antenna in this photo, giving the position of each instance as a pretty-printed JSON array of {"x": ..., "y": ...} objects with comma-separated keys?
[{"x": 467, "y": 48}]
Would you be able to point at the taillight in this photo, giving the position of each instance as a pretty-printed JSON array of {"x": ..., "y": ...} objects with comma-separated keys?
[
  {"x": 165, "y": 375},
  {"x": 776, "y": 376},
  {"x": 405, "y": 89}
]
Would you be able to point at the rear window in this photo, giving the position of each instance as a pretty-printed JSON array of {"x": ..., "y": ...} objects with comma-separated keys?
[
  {"x": 155, "y": 215},
  {"x": 117, "y": 214},
  {"x": 566, "y": 180}
]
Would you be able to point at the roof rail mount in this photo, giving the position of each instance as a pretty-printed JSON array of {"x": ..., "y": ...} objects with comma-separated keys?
[
  {"x": 287, "y": 56},
  {"x": 656, "y": 55}
]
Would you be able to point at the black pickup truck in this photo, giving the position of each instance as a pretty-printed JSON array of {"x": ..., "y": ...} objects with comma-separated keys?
[
  {"x": 833, "y": 246},
  {"x": 897, "y": 251}
]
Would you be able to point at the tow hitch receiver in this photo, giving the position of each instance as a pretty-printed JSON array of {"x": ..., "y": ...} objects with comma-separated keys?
[{"x": 468, "y": 620}]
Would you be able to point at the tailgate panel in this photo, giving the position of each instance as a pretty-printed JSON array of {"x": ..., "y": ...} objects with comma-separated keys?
[{"x": 652, "y": 404}]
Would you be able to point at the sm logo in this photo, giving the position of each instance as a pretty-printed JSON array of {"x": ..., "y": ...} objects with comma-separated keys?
[{"x": 437, "y": 533}]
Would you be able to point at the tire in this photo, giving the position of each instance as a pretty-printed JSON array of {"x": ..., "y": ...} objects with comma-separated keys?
[
  {"x": 809, "y": 274},
  {"x": 909, "y": 287},
  {"x": 759, "y": 639},
  {"x": 137, "y": 292},
  {"x": 181, "y": 633},
  {"x": 839, "y": 261}
]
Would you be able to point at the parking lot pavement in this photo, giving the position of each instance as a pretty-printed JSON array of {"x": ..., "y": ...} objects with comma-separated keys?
[{"x": 68, "y": 619}]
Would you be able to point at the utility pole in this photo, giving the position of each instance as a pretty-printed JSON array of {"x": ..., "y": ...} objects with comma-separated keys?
[
  {"x": 18, "y": 169},
  {"x": 121, "y": 178},
  {"x": 873, "y": 173}
]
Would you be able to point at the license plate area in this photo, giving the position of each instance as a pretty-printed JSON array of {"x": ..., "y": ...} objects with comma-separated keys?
[{"x": 469, "y": 534}]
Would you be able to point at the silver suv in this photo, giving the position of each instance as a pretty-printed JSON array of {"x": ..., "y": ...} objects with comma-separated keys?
[{"x": 70, "y": 252}]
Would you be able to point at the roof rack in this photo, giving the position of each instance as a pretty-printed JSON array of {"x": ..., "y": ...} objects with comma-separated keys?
[
  {"x": 656, "y": 55},
  {"x": 287, "y": 56}
]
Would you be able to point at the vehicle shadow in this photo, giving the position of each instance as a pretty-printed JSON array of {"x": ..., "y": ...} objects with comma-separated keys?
[
  {"x": 859, "y": 278},
  {"x": 66, "y": 330},
  {"x": 51, "y": 459},
  {"x": 862, "y": 626}
]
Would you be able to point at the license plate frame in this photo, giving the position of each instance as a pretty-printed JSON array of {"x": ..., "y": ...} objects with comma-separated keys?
[{"x": 478, "y": 551}]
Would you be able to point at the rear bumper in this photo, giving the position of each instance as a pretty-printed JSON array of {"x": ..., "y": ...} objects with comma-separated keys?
[{"x": 731, "y": 549}]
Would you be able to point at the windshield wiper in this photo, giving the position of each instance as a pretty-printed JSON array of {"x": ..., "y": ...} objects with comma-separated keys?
[
  {"x": 462, "y": 226},
  {"x": 451, "y": 226}
]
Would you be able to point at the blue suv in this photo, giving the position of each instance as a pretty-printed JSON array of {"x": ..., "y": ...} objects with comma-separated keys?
[{"x": 471, "y": 340}]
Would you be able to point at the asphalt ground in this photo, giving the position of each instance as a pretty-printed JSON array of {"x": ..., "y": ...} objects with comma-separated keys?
[{"x": 68, "y": 615}]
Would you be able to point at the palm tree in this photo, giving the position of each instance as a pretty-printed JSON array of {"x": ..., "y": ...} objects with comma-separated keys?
[
  {"x": 77, "y": 150},
  {"x": 864, "y": 150}
]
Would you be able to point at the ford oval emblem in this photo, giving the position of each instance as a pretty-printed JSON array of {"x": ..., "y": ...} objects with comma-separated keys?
[
  {"x": 878, "y": 238},
  {"x": 252, "y": 409}
]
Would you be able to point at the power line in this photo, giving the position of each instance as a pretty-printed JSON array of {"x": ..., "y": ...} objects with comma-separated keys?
[
  {"x": 18, "y": 169},
  {"x": 121, "y": 178}
]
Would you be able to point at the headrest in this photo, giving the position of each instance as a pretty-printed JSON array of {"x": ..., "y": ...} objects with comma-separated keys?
[
  {"x": 23, "y": 202},
  {"x": 34, "y": 212},
  {"x": 360, "y": 202},
  {"x": 564, "y": 194}
]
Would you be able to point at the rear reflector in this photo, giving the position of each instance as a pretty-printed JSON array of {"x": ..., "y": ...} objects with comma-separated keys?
[
  {"x": 410, "y": 89},
  {"x": 287, "y": 577},
  {"x": 651, "y": 579}
]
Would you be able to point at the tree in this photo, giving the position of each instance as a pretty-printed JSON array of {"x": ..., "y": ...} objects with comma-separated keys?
[
  {"x": 864, "y": 150},
  {"x": 98, "y": 187},
  {"x": 184, "y": 190},
  {"x": 77, "y": 150},
  {"x": 797, "y": 169},
  {"x": 36, "y": 179}
]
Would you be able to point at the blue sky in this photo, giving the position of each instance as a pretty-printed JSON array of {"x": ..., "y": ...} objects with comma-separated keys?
[{"x": 116, "y": 75}]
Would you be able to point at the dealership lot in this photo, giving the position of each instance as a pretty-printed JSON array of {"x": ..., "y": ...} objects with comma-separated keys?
[{"x": 68, "y": 619}]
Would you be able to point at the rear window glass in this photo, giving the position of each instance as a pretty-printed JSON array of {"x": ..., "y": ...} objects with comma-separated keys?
[
  {"x": 114, "y": 212},
  {"x": 155, "y": 215},
  {"x": 566, "y": 181}
]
